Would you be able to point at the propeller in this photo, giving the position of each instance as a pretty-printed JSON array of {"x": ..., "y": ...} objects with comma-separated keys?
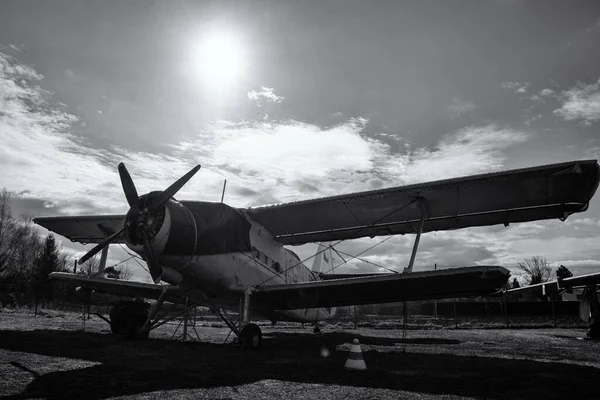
[
  {"x": 141, "y": 217},
  {"x": 155, "y": 269},
  {"x": 128, "y": 186},
  {"x": 97, "y": 248}
]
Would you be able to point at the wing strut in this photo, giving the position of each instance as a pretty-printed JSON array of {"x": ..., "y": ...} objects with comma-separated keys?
[{"x": 423, "y": 207}]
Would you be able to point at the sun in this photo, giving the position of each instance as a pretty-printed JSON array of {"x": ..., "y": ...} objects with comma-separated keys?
[{"x": 220, "y": 59}]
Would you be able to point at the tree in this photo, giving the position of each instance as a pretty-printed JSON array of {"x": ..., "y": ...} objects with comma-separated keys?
[
  {"x": 122, "y": 272},
  {"x": 515, "y": 284},
  {"x": 47, "y": 262},
  {"x": 535, "y": 269},
  {"x": 112, "y": 273},
  {"x": 126, "y": 273},
  {"x": 563, "y": 272},
  {"x": 91, "y": 267}
]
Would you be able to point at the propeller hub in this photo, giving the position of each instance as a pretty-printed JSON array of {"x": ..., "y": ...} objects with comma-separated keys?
[{"x": 144, "y": 219}]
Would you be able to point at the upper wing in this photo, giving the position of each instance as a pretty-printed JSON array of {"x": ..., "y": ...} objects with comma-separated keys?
[
  {"x": 448, "y": 283},
  {"x": 84, "y": 229},
  {"x": 548, "y": 288},
  {"x": 545, "y": 192}
]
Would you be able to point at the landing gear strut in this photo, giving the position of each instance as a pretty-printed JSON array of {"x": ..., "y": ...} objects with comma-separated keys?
[
  {"x": 594, "y": 312},
  {"x": 250, "y": 336}
]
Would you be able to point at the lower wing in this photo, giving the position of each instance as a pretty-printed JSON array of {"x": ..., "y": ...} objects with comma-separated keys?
[
  {"x": 126, "y": 288},
  {"x": 448, "y": 283},
  {"x": 557, "y": 286}
]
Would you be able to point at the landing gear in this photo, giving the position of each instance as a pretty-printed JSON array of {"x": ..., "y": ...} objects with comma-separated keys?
[
  {"x": 127, "y": 319},
  {"x": 317, "y": 329},
  {"x": 251, "y": 336},
  {"x": 593, "y": 332},
  {"x": 590, "y": 308}
]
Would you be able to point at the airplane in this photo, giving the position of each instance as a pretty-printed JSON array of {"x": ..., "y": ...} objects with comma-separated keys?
[
  {"x": 228, "y": 258},
  {"x": 589, "y": 305}
]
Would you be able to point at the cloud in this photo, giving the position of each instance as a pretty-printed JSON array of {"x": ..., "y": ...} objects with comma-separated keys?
[
  {"x": 266, "y": 94},
  {"x": 458, "y": 107},
  {"x": 532, "y": 119},
  {"x": 69, "y": 74},
  {"x": 543, "y": 95},
  {"x": 18, "y": 49},
  {"x": 581, "y": 103},
  {"x": 517, "y": 87},
  {"x": 468, "y": 151}
]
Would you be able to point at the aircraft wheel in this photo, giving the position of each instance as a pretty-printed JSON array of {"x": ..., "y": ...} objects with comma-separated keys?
[
  {"x": 251, "y": 336},
  {"x": 128, "y": 321}
]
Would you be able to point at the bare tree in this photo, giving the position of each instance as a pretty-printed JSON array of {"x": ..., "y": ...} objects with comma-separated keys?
[
  {"x": 535, "y": 269},
  {"x": 126, "y": 273},
  {"x": 91, "y": 267}
]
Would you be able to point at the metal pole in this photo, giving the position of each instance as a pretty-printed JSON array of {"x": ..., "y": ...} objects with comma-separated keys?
[
  {"x": 185, "y": 319},
  {"x": 455, "y": 315},
  {"x": 247, "y": 295},
  {"x": 75, "y": 266},
  {"x": 223, "y": 194},
  {"x": 553, "y": 312},
  {"x": 241, "y": 314},
  {"x": 103, "y": 257},
  {"x": 416, "y": 245},
  {"x": 435, "y": 313},
  {"x": 505, "y": 308}
]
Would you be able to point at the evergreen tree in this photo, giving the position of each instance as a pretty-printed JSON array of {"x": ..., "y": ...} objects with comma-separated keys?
[
  {"x": 47, "y": 262},
  {"x": 515, "y": 284},
  {"x": 563, "y": 272}
]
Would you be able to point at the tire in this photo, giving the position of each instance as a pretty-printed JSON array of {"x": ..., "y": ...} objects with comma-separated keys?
[
  {"x": 126, "y": 320},
  {"x": 251, "y": 336}
]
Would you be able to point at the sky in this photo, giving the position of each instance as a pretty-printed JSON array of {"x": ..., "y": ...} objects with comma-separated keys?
[{"x": 292, "y": 100}]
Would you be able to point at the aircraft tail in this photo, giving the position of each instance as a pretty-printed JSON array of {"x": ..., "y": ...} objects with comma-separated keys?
[{"x": 323, "y": 262}]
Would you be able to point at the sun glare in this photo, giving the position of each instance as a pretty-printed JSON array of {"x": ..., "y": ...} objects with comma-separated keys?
[{"x": 220, "y": 59}]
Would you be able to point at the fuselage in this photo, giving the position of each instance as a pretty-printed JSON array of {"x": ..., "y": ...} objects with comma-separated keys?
[{"x": 217, "y": 251}]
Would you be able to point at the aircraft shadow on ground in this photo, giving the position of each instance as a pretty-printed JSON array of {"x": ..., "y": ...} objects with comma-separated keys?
[{"x": 129, "y": 367}]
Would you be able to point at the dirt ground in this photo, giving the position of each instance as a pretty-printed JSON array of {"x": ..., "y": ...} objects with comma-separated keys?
[{"x": 50, "y": 356}]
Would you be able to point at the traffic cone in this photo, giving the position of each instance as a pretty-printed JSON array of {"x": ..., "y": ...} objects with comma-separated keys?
[{"x": 355, "y": 358}]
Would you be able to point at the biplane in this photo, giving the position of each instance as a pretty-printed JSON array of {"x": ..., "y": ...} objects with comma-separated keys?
[{"x": 230, "y": 258}]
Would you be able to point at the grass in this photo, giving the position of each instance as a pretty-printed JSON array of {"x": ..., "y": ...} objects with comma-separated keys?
[{"x": 49, "y": 356}]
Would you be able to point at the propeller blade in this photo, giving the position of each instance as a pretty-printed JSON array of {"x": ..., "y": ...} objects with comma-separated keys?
[
  {"x": 128, "y": 187},
  {"x": 99, "y": 246},
  {"x": 155, "y": 269},
  {"x": 175, "y": 187}
]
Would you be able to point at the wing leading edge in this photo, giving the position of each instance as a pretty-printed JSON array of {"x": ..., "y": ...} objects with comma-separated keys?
[
  {"x": 84, "y": 228},
  {"x": 119, "y": 287},
  {"x": 544, "y": 192},
  {"x": 448, "y": 283}
]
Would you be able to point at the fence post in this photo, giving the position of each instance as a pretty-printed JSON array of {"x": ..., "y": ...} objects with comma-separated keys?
[{"x": 455, "y": 315}]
